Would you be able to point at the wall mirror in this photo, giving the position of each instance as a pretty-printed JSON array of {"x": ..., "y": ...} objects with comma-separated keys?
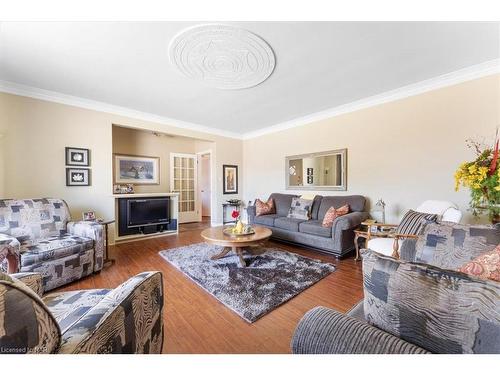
[{"x": 317, "y": 171}]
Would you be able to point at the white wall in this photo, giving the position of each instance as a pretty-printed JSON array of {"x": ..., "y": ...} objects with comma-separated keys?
[{"x": 404, "y": 151}]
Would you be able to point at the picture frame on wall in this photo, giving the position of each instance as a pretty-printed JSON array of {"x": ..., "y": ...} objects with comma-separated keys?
[
  {"x": 76, "y": 156},
  {"x": 230, "y": 182},
  {"x": 137, "y": 170},
  {"x": 77, "y": 177}
]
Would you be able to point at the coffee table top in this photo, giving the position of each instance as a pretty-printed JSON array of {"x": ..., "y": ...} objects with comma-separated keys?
[{"x": 215, "y": 236}]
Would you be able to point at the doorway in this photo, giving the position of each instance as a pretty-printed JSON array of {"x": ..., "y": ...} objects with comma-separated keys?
[
  {"x": 183, "y": 180},
  {"x": 205, "y": 185}
]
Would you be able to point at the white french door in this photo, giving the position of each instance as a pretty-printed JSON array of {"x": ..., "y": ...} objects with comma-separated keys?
[{"x": 183, "y": 180}]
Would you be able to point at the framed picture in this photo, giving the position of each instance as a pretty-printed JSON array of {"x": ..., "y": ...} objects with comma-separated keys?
[
  {"x": 77, "y": 177},
  {"x": 138, "y": 170},
  {"x": 78, "y": 156},
  {"x": 230, "y": 173},
  {"x": 89, "y": 216}
]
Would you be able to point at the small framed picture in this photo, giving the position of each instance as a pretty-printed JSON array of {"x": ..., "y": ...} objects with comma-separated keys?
[
  {"x": 230, "y": 184},
  {"x": 78, "y": 156},
  {"x": 77, "y": 177},
  {"x": 89, "y": 216}
]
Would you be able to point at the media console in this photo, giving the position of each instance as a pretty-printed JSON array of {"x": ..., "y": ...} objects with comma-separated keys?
[{"x": 147, "y": 214}]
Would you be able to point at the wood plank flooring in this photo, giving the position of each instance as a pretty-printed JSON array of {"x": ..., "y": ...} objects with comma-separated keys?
[{"x": 195, "y": 322}]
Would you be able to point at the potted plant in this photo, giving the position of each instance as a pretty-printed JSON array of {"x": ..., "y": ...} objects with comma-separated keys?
[{"x": 482, "y": 177}]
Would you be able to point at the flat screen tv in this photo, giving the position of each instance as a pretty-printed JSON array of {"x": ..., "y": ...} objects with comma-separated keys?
[{"x": 148, "y": 211}]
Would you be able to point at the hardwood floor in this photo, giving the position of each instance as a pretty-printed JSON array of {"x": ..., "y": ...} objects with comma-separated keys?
[{"x": 195, "y": 322}]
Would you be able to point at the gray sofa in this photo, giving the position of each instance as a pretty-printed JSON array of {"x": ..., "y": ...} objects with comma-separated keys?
[
  {"x": 337, "y": 240},
  {"x": 416, "y": 304}
]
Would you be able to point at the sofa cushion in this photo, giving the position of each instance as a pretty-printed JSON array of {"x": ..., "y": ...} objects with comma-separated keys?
[
  {"x": 356, "y": 204},
  {"x": 288, "y": 223},
  {"x": 316, "y": 228},
  {"x": 443, "y": 311},
  {"x": 334, "y": 213},
  {"x": 449, "y": 245},
  {"x": 44, "y": 249},
  {"x": 300, "y": 208},
  {"x": 282, "y": 203},
  {"x": 486, "y": 266},
  {"x": 381, "y": 245},
  {"x": 315, "y": 206},
  {"x": 264, "y": 208},
  {"x": 71, "y": 307},
  {"x": 33, "y": 218},
  {"x": 265, "y": 219}
]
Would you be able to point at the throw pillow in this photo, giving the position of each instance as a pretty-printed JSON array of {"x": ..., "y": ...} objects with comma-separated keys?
[
  {"x": 413, "y": 221},
  {"x": 486, "y": 266},
  {"x": 264, "y": 208},
  {"x": 300, "y": 209},
  {"x": 334, "y": 213},
  {"x": 443, "y": 311},
  {"x": 450, "y": 246}
]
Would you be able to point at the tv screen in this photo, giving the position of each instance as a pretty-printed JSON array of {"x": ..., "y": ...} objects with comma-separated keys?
[{"x": 148, "y": 211}]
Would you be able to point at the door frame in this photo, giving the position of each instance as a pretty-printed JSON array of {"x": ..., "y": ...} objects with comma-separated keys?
[
  {"x": 212, "y": 180},
  {"x": 195, "y": 176}
]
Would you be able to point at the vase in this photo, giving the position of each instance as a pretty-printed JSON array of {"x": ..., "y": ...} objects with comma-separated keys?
[{"x": 238, "y": 227}]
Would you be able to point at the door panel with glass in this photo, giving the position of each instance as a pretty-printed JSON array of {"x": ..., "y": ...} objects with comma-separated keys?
[{"x": 183, "y": 181}]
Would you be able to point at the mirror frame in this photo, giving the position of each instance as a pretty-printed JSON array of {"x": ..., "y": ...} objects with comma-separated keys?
[{"x": 343, "y": 156}]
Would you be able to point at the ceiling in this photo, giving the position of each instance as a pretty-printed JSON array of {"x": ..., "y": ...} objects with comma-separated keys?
[{"x": 319, "y": 65}]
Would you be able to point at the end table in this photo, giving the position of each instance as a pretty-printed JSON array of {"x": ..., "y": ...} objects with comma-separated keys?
[
  {"x": 107, "y": 261},
  {"x": 363, "y": 233}
]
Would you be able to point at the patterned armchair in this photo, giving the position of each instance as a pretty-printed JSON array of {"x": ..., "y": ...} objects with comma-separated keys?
[
  {"x": 417, "y": 304},
  {"x": 127, "y": 319},
  {"x": 37, "y": 235}
]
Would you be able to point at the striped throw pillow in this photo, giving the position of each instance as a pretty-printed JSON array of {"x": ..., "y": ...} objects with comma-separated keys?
[{"x": 413, "y": 222}]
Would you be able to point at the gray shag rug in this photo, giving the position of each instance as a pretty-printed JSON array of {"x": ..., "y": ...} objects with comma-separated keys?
[{"x": 272, "y": 276}]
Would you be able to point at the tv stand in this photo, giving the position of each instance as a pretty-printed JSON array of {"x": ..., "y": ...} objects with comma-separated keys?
[{"x": 125, "y": 233}]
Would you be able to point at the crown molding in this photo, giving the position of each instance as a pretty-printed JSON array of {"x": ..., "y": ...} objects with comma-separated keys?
[
  {"x": 53, "y": 96},
  {"x": 448, "y": 79}
]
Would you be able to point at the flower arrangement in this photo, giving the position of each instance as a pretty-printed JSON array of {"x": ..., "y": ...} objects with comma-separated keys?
[
  {"x": 235, "y": 214},
  {"x": 482, "y": 177},
  {"x": 238, "y": 227}
]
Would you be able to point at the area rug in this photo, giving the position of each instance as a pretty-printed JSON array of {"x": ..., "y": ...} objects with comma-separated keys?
[{"x": 272, "y": 276}]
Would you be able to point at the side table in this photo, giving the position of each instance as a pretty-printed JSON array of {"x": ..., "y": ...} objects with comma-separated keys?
[
  {"x": 107, "y": 261},
  {"x": 363, "y": 233}
]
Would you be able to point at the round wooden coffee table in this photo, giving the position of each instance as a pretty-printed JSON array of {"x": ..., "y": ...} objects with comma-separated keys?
[{"x": 215, "y": 236}]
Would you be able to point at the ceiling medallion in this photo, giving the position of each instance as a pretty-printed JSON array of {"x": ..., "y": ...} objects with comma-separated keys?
[{"x": 225, "y": 57}]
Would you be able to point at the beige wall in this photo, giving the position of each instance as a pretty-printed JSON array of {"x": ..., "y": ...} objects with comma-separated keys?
[
  {"x": 35, "y": 132},
  {"x": 404, "y": 151},
  {"x": 138, "y": 142}
]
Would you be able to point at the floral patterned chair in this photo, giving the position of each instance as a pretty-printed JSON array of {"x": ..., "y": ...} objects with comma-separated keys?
[
  {"x": 37, "y": 235},
  {"x": 127, "y": 319}
]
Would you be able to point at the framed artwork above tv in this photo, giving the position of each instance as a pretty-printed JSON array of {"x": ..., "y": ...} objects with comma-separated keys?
[{"x": 135, "y": 169}]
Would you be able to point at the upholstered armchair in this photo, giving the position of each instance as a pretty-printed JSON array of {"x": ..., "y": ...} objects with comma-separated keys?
[
  {"x": 37, "y": 235},
  {"x": 127, "y": 319},
  {"x": 419, "y": 303},
  {"x": 389, "y": 244}
]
